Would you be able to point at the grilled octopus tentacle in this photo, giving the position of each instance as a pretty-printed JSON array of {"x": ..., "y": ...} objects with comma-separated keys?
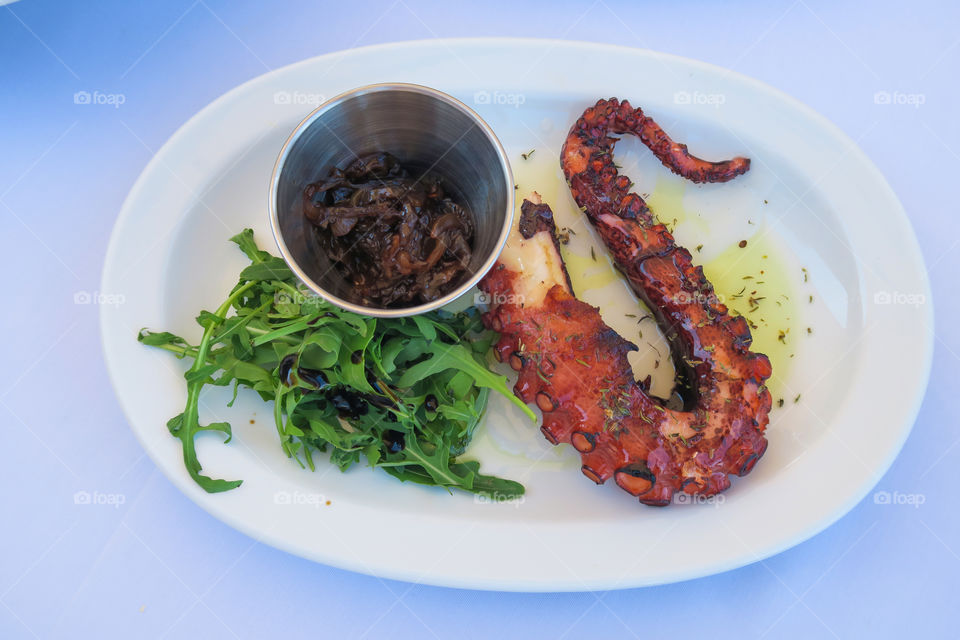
[{"x": 575, "y": 367}]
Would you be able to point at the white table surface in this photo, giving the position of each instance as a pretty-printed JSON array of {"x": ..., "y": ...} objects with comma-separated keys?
[{"x": 157, "y": 566}]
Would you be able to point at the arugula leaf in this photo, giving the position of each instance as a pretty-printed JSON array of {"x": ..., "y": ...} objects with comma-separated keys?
[
  {"x": 271, "y": 268},
  {"x": 456, "y": 356},
  {"x": 186, "y": 425},
  {"x": 248, "y": 245}
]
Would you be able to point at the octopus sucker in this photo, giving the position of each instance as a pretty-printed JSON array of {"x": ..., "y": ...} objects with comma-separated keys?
[{"x": 574, "y": 367}]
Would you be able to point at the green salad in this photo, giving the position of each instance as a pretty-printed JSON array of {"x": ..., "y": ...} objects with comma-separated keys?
[{"x": 404, "y": 394}]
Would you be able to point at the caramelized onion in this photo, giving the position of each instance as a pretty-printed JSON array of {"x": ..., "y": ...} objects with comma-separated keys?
[{"x": 399, "y": 240}]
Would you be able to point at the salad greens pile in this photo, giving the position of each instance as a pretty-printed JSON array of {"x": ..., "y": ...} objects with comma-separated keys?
[{"x": 403, "y": 394}]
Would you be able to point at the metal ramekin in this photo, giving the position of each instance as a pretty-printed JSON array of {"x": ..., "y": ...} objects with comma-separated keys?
[{"x": 425, "y": 129}]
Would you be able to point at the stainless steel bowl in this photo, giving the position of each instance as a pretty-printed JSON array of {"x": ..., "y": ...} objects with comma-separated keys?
[{"x": 426, "y": 130}]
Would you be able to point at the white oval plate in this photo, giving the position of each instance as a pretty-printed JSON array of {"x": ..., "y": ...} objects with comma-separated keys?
[{"x": 812, "y": 199}]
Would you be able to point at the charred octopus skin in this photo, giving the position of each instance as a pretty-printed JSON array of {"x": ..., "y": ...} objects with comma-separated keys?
[{"x": 575, "y": 367}]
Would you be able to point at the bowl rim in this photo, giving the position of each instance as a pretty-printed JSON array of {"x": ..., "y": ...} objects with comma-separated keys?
[{"x": 326, "y": 106}]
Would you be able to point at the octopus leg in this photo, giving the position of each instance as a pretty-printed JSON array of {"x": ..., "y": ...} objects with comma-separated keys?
[
  {"x": 575, "y": 367},
  {"x": 710, "y": 346}
]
